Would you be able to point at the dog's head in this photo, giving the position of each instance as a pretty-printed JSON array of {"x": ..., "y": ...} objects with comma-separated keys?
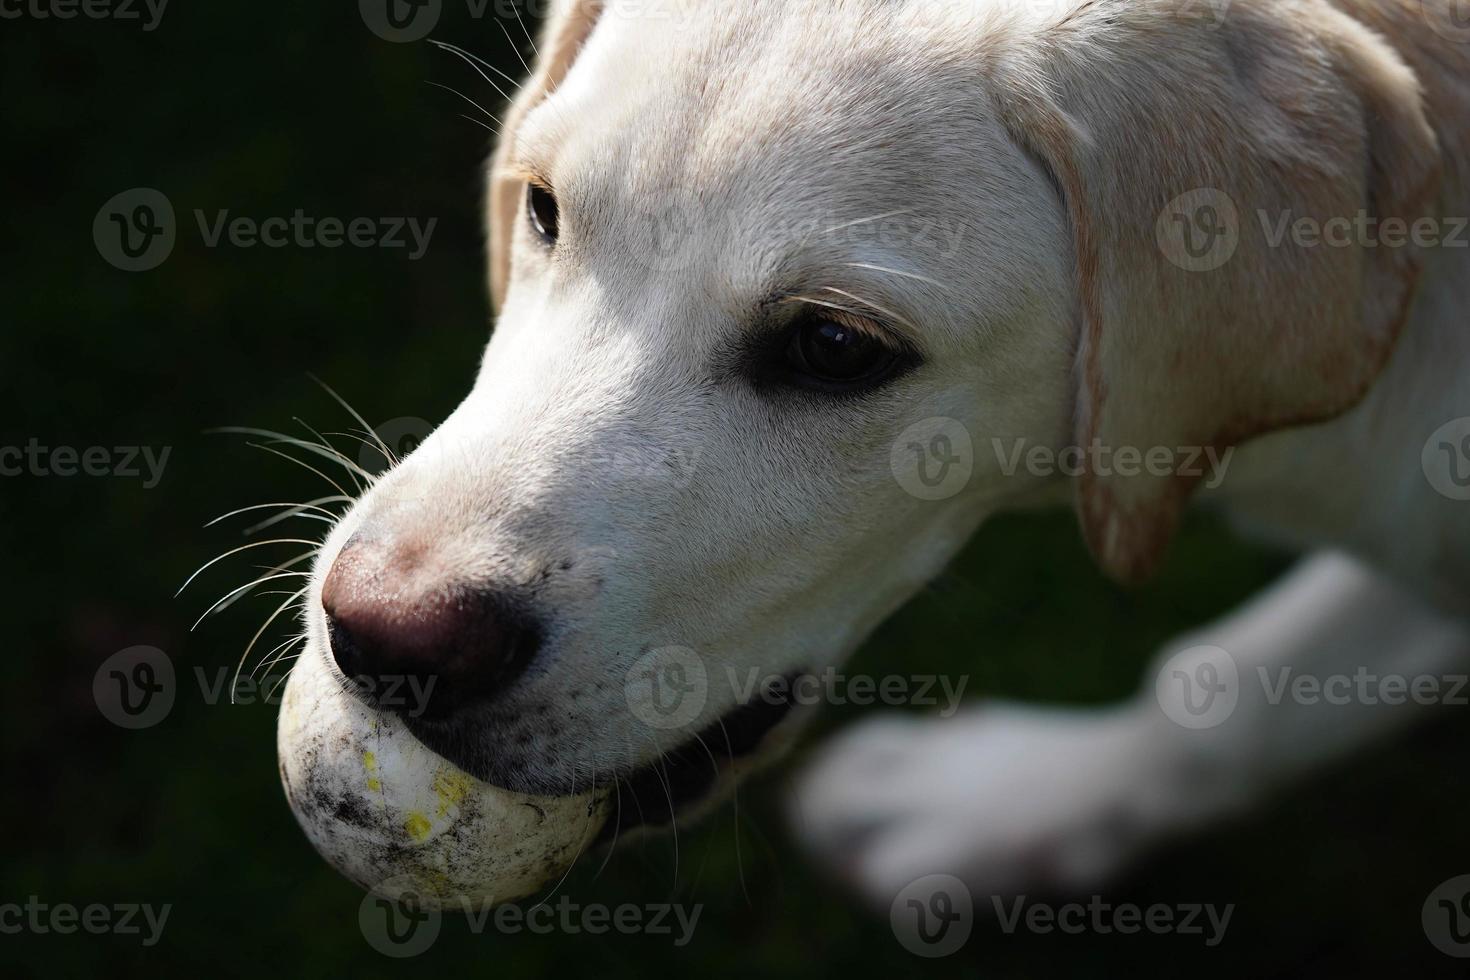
[{"x": 789, "y": 293}]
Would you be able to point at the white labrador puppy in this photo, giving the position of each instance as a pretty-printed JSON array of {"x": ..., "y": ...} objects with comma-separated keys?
[{"x": 783, "y": 285}]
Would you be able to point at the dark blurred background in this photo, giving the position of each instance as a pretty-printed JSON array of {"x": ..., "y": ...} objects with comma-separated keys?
[{"x": 264, "y": 108}]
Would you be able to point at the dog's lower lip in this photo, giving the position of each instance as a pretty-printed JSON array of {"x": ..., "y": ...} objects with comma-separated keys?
[{"x": 654, "y": 793}]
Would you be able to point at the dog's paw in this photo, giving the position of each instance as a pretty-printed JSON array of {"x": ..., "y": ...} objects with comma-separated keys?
[{"x": 1007, "y": 798}]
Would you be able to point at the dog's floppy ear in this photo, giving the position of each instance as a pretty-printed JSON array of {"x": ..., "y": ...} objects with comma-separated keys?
[
  {"x": 1187, "y": 155},
  {"x": 567, "y": 28}
]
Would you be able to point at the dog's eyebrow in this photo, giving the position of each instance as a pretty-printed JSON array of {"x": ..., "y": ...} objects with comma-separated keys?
[
  {"x": 843, "y": 294},
  {"x": 847, "y": 303},
  {"x": 822, "y": 291},
  {"x": 516, "y": 170}
]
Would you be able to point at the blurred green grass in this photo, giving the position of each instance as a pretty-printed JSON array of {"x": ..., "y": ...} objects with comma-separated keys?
[{"x": 265, "y": 108}]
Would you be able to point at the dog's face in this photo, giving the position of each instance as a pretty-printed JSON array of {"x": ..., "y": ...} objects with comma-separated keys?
[
  {"x": 731, "y": 294},
  {"x": 747, "y": 256}
]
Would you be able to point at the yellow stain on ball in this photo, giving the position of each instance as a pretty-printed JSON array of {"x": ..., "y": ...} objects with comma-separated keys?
[{"x": 418, "y": 826}]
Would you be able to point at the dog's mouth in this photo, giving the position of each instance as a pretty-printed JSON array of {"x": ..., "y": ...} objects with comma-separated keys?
[{"x": 655, "y": 793}]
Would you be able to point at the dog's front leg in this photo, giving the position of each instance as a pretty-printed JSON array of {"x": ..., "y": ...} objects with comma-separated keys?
[{"x": 1011, "y": 797}]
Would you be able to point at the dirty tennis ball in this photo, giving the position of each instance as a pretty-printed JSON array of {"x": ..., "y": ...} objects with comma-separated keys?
[{"x": 397, "y": 819}]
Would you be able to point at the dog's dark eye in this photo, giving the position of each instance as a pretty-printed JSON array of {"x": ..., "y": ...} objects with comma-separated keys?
[
  {"x": 831, "y": 352},
  {"x": 544, "y": 214}
]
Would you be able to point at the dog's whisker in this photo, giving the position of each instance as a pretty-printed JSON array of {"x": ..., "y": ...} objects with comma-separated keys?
[
  {"x": 471, "y": 101},
  {"x": 324, "y": 450},
  {"x": 236, "y": 551},
  {"x": 283, "y": 566},
  {"x": 325, "y": 443},
  {"x": 661, "y": 771},
  {"x": 895, "y": 317},
  {"x": 617, "y": 829},
  {"x": 868, "y": 220},
  {"x": 242, "y": 590},
  {"x": 668, "y": 785},
  {"x": 735, "y": 804},
  {"x": 332, "y": 455},
  {"x": 258, "y": 633},
  {"x": 278, "y": 651},
  {"x": 474, "y": 62},
  {"x": 897, "y": 272},
  {"x": 329, "y": 521},
  {"x": 581, "y": 848},
  {"x": 485, "y": 126},
  {"x": 302, "y": 463},
  {"x": 735, "y": 794},
  {"x": 371, "y": 432},
  {"x": 285, "y": 677},
  {"x": 292, "y": 506},
  {"x": 526, "y": 31},
  {"x": 816, "y": 301},
  {"x": 376, "y": 447},
  {"x": 514, "y": 47}
]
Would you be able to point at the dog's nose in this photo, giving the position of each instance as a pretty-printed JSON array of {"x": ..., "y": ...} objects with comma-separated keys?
[{"x": 420, "y": 648}]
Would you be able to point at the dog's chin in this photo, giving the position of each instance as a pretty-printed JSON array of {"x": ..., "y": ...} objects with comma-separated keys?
[{"x": 680, "y": 781}]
